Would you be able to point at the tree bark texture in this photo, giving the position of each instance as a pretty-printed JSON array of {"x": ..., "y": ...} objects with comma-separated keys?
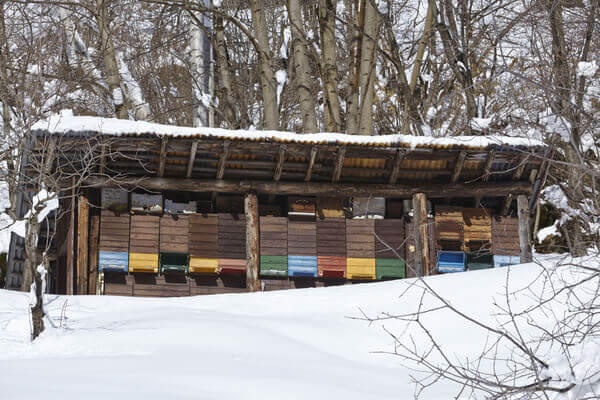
[
  {"x": 332, "y": 116},
  {"x": 524, "y": 229},
  {"x": 83, "y": 215},
  {"x": 252, "y": 244},
  {"x": 226, "y": 93},
  {"x": 421, "y": 241}
]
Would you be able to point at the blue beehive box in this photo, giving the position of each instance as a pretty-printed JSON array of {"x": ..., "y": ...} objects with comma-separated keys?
[
  {"x": 113, "y": 261},
  {"x": 302, "y": 266},
  {"x": 504, "y": 261},
  {"x": 450, "y": 261}
]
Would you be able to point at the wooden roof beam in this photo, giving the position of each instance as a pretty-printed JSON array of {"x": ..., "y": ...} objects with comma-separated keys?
[
  {"x": 488, "y": 165},
  {"x": 280, "y": 161},
  {"x": 458, "y": 165},
  {"x": 311, "y": 163},
  {"x": 223, "y": 160},
  {"x": 339, "y": 164},
  {"x": 192, "y": 158},
  {"x": 163, "y": 157},
  {"x": 400, "y": 154}
]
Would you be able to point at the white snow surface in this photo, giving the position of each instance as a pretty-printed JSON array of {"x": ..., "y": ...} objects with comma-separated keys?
[
  {"x": 295, "y": 344},
  {"x": 59, "y": 124},
  {"x": 587, "y": 68}
]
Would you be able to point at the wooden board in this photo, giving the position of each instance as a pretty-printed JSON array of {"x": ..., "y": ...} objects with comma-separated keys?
[
  {"x": 231, "y": 236},
  {"x": 144, "y": 234},
  {"x": 203, "y": 236},
  {"x": 302, "y": 238},
  {"x": 174, "y": 234},
  {"x": 273, "y": 236},
  {"x": 410, "y": 246},
  {"x": 360, "y": 238},
  {"x": 114, "y": 232},
  {"x": 505, "y": 236},
  {"x": 449, "y": 223},
  {"x": 477, "y": 224},
  {"x": 389, "y": 233},
  {"x": 331, "y": 267}
]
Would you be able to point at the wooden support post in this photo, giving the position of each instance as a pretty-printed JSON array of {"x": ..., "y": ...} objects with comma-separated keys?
[
  {"x": 163, "y": 157},
  {"x": 421, "y": 240},
  {"x": 488, "y": 165},
  {"x": 524, "y": 230},
  {"x": 93, "y": 253},
  {"x": 458, "y": 165},
  {"x": 311, "y": 163},
  {"x": 102, "y": 159},
  {"x": 519, "y": 170},
  {"x": 400, "y": 154},
  {"x": 280, "y": 161},
  {"x": 223, "y": 161},
  {"x": 192, "y": 158},
  {"x": 507, "y": 201},
  {"x": 252, "y": 245},
  {"x": 71, "y": 242},
  {"x": 339, "y": 163},
  {"x": 83, "y": 226}
]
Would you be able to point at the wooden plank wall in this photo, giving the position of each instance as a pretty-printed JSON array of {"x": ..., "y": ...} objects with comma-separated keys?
[
  {"x": 389, "y": 233},
  {"x": 144, "y": 234},
  {"x": 331, "y": 247},
  {"x": 505, "y": 236},
  {"x": 174, "y": 233},
  {"x": 203, "y": 236},
  {"x": 114, "y": 232},
  {"x": 302, "y": 238}
]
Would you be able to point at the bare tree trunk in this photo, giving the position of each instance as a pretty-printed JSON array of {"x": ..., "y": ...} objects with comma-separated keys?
[
  {"x": 265, "y": 59},
  {"x": 30, "y": 273},
  {"x": 302, "y": 81},
  {"x": 332, "y": 110},
  {"x": 199, "y": 70},
  {"x": 226, "y": 94},
  {"x": 355, "y": 10},
  {"x": 368, "y": 61}
]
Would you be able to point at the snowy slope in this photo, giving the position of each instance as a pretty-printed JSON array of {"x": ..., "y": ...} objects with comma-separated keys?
[{"x": 296, "y": 344}]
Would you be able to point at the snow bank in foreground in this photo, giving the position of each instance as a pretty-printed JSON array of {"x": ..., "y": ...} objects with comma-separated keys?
[{"x": 297, "y": 344}]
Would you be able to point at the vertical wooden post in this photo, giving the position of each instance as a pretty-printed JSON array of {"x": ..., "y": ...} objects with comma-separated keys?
[
  {"x": 93, "y": 253},
  {"x": 524, "y": 230},
  {"x": 422, "y": 239},
  {"x": 83, "y": 226},
  {"x": 71, "y": 242},
  {"x": 252, "y": 246}
]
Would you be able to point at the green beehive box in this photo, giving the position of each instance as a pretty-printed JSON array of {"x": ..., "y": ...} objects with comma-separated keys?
[
  {"x": 174, "y": 263},
  {"x": 386, "y": 268},
  {"x": 274, "y": 265},
  {"x": 477, "y": 261}
]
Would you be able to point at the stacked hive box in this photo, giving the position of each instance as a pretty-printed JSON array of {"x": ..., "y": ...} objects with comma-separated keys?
[
  {"x": 203, "y": 244},
  {"x": 273, "y": 246},
  {"x": 449, "y": 229},
  {"x": 174, "y": 240},
  {"x": 114, "y": 242},
  {"x": 505, "y": 241},
  {"x": 302, "y": 248},
  {"x": 331, "y": 248},
  {"x": 232, "y": 244},
  {"x": 330, "y": 207},
  {"x": 143, "y": 243},
  {"x": 478, "y": 237},
  {"x": 410, "y": 234},
  {"x": 360, "y": 249},
  {"x": 389, "y": 248}
]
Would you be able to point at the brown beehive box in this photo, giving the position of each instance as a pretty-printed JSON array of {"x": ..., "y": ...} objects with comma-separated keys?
[
  {"x": 273, "y": 236},
  {"x": 174, "y": 234},
  {"x": 301, "y": 205},
  {"x": 410, "y": 233},
  {"x": 114, "y": 232},
  {"x": 330, "y": 207},
  {"x": 449, "y": 223},
  {"x": 360, "y": 238},
  {"x": 331, "y": 237},
  {"x": 389, "y": 233},
  {"x": 232, "y": 236},
  {"x": 302, "y": 238},
  {"x": 505, "y": 236},
  {"x": 203, "y": 235},
  {"x": 144, "y": 234},
  {"x": 477, "y": 225}
]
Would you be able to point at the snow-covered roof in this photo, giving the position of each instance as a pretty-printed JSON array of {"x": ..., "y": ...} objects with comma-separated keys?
[{"x": 85, "y": 125}]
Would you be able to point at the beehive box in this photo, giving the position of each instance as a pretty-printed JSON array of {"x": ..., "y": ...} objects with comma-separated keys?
[
  {"x": 143, "y": 243},
  {"x": 360, "y": 238},
  {"x": 147, "y": 203},
  {"x": 114, "y": 199},
  {"x": 232, "y": 244},
  {"x": 390, "y": 268},
  {"x": 505, "y": 236},
  {"x": 174, "y": 262},
  {"x": 203, "y": 241},
  {"x": 450, "y": 261},
  {"x": 360, "y": 268},
  {"x": 409, "y": 230},
  {"x": 449, "y": 223},
  {"x": 114, "y": 242},
  {"x": 302, "y": 248},
  {"x": 273, "y": 246},
  {"x": 389, "y": 248},
  {"x": 303, "y": 206},
  {"x": 477, "y": 225},
  {"x": 331, "y": 247},
  {"x": 480, "y": 260},
  {"x": 330, "y": 207},
  {"x": 174, "y": 234},
  {"x": 302, "y": 266}
]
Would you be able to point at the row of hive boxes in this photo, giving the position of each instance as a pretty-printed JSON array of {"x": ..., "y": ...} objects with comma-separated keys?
[
  {"x": 172, "y": 243},
  {"x": 332, "y": 248}
]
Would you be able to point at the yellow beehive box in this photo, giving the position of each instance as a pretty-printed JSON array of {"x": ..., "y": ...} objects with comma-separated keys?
[
  {"x": 360, "y": 268},
  {"x": 204, "y": 265},
  {"x": 142, "y": 262}
]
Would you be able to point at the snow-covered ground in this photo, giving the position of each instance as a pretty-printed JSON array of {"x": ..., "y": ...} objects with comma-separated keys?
[{"x": 295, "y": 344}]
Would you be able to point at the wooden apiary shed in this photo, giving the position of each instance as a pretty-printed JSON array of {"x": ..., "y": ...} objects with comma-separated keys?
[
  {"x": 389, "y": 248},
  {"x": 143, "y": 243},
  {"x": 360, "y": 249},
  {"x": 274, "y": 246},
  {"x": 302, "y": 248},
  {"x": 232, "y": 244},
  {"x": 331, "y": 247},
  {"x": 114, "y": 242},
  {"x": 203, "y": 243},
  {"x": 174, "y": 243}
]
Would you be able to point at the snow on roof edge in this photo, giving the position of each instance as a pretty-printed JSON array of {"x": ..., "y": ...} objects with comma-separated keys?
[{"x": 61, "y": 124}]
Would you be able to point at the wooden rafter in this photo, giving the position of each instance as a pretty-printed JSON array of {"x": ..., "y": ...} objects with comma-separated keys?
[
  {"x": 223, "y": 160},
  {"x": 400, "y": 154},
  {"x": 192, "y": 158},
  {"x": 458, "y": 165},
  {"x": 163, "y": 157},
  {"x": 488, "y": 165},
  {"x": 280, "y": 161},
  {"x": 311, "y": 163},
  {"x": 518, "y": 172},
  {"x": 339, "y": 164}
]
